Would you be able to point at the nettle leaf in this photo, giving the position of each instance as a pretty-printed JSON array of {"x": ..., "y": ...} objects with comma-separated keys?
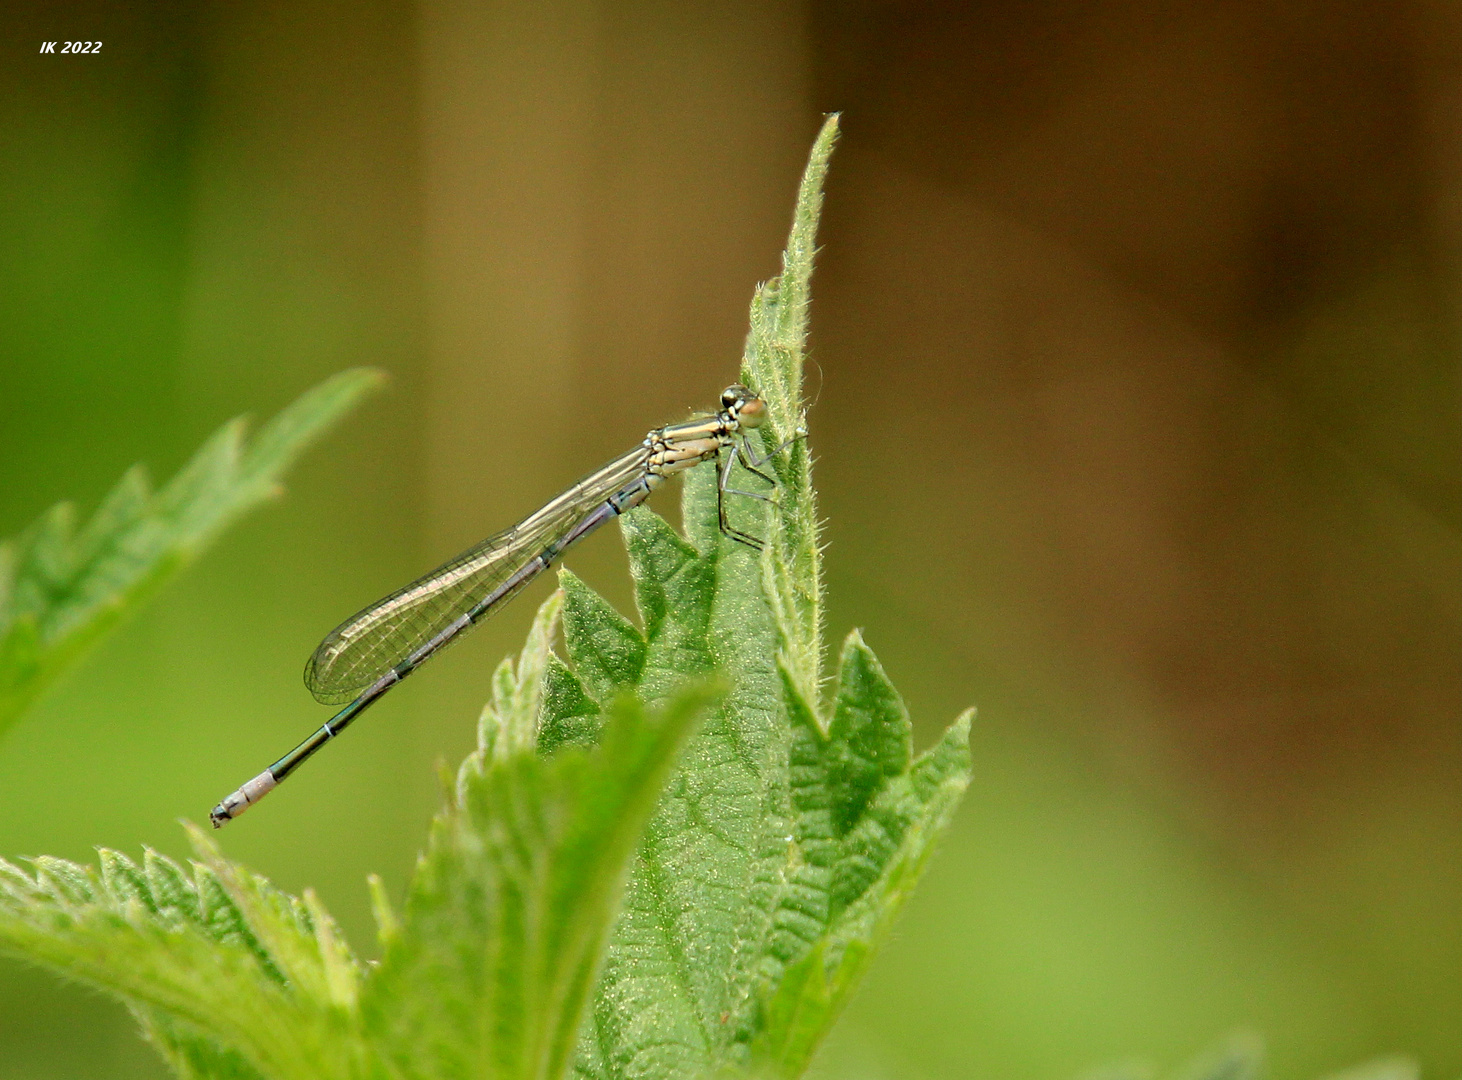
[
  {"x": 62, "y": 587},
  {"x": 613, "y": 887},
  {"x": 788, "y": 838},
  {"x": 489, "y": 968},
  {"x": 228, "y": 976},
  {"x": 192, "y": 1056}
]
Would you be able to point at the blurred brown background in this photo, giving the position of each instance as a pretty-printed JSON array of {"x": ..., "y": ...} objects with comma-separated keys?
[{"x": 1138, "y": 426}]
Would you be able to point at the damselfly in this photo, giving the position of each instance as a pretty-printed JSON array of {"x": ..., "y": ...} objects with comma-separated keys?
[{"x": 372, "y": 651}]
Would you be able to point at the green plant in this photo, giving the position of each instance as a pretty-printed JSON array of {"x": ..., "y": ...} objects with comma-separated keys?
[
  {"x": 672, "y": 852},
  {"x": 62, "y": 588}
]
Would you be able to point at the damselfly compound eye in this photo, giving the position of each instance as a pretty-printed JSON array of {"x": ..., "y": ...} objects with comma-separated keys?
[{"x": 752, "y": 412}]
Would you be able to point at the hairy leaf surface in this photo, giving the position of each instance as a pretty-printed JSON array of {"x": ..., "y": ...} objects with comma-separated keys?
[{"x": 786, "y": 841}]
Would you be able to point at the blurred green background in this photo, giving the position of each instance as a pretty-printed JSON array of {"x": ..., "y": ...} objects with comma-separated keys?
[{"x": 1136, "y": 331}]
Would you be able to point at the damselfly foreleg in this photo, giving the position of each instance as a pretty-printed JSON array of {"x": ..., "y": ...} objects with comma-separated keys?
[{"x": 749, "y": 461}]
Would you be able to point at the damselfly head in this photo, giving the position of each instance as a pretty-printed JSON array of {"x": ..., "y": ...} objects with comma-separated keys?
[{"x": 744, "y": 407}]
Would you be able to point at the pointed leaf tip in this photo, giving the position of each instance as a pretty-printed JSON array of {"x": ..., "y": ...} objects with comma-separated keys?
[{"x": 606, "y": 650}]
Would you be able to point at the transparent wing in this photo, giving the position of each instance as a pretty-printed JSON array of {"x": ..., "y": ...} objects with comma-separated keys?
[{"x": 370, "y": 643}]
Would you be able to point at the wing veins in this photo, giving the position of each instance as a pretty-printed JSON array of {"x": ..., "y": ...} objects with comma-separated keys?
[{"x": 368, "y": 644}]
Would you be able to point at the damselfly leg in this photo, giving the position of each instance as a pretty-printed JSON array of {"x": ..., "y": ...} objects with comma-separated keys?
[{"x": 741, "y": 451}]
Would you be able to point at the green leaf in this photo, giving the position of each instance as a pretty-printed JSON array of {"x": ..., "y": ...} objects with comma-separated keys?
[
  {"x": 62, "y": 588},
  {"x": 608, "y": 651},
  {"x": 570, "y": 717},
  {"x": 228, "y": 976},
  {"x": 785, "y": 842},
  {"x": 849, "y": 884},
  {"x": 612, "y": 888},
  {"x": 508, "y": 726},
  {"x": 191, "y": 1055},
  {"x": 491, "y": 967},
  {"x": 801, "y": 1008},
  {"x": 772, "y": 365},
  {"x": 869, "y": 739}
]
